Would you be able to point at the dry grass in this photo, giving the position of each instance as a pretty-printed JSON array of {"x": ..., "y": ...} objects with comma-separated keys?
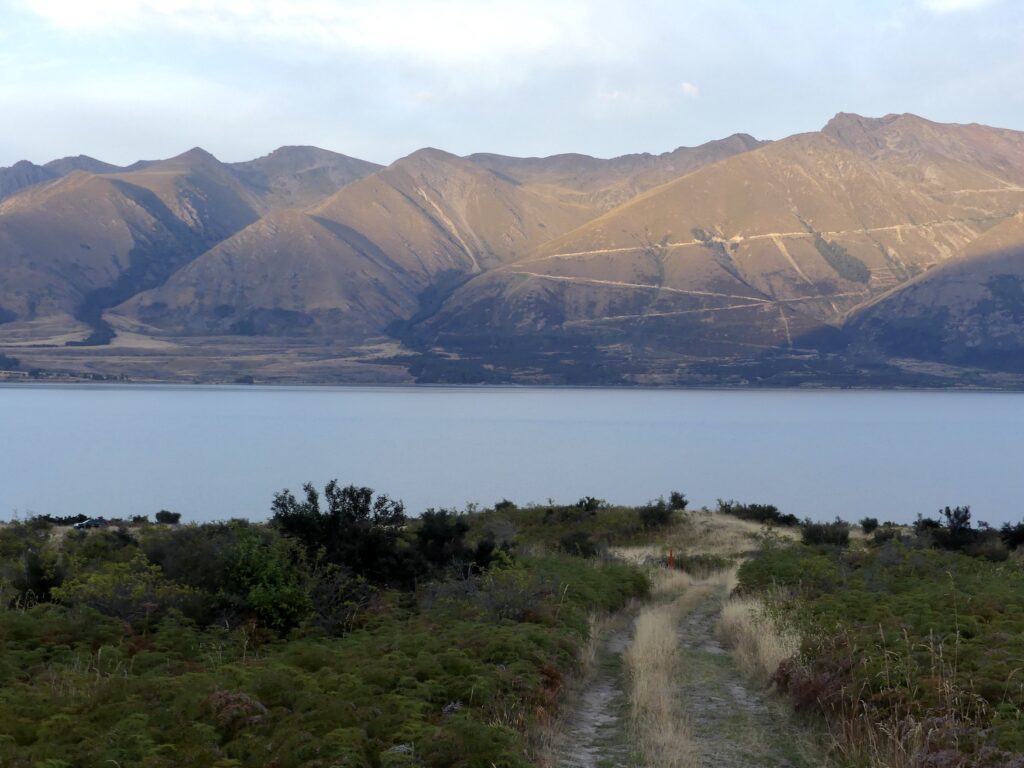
[
  {"x": 666, "y": 583},
  {"x": 708, "y": 533},
  {"x": 909, "y": 739},
  {"x": 640, "y": 554},
  {"x": 757, "y": 640},
  {"x": 653, "y": 664}
]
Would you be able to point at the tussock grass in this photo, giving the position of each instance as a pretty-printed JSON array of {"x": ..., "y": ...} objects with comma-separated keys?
[
  {"x": 653, "y": 664},
  {"x": 915, "y": 659},
  {"x": 757, "y": 640},
  {"x": 665, "y": 583},
  {"x": 711, "y": 533}
]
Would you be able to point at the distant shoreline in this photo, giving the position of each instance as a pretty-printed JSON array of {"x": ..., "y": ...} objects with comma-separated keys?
[{"x": 29, "y": 383}]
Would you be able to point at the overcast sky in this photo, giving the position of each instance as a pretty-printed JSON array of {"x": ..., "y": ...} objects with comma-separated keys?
[{"x": 128, "y": 79}]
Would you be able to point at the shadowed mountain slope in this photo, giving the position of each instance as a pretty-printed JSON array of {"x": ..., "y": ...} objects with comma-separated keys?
[
  {"x": 76, "y": 246},
  {"x": 968, "y": 311},
  {"x": 21, "y": 175},
  {"x": 24, "y": 174},
  {"x": 62, "y": 242}
]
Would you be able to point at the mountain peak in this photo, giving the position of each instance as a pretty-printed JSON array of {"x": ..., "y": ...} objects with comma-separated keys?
[
  {"x": 858, "y": 132},
  {"x": 845, "y": 123},
  {"x": 22, "y": 174},
  {"x": 432, "y": 154},
  {"x": 196, "y": 154},
  {"x": 65, "y": 165}
]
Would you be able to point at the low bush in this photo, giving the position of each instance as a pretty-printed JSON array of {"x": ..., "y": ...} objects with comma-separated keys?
[
  {"x": 558, "y": 526},
  {"x": 135, "y": 592},
  {"x": 168, "y": 518},
  {"x": 836, "y": 533},
  {"x": 656, "y": 514},
  {"x": 758, "y": 513},
  {"x": 251, "y": 645},
  {"x": 909, "y": 650},
  {"x": 869, "y": 525},
  {"x": 578, "y": 543}
]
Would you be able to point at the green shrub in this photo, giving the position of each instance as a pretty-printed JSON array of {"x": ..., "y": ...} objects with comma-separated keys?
[
  {"x": 656, "y": 514},
  {"x": 909, "y": 634},
  {"x": 578, "y": 543},
  {"x": 836, "y": 533},
  {"x": 887, "y": 532},
  {"x": 356, "y": 530},
  {"x": 265, "y": 577},
  {"x": 758, "y": 513},
  {"x": 1013, "y": 535},
  {"x": 135, "y": 592}
]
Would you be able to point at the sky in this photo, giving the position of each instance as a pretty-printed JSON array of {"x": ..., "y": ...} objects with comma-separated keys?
[{"x": 124, "y": 80}]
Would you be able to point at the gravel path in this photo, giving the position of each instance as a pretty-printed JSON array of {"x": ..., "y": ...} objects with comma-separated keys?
[
  {"x": 733, "y": 722},
  {"x": 598, "y": 735}
]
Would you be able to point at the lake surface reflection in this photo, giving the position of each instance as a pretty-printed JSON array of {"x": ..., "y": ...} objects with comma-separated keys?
[{"x": 219, "y": 452}]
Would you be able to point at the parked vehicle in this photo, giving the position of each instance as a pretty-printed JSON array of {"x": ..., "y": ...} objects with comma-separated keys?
[{"x": 92, "y": 522}]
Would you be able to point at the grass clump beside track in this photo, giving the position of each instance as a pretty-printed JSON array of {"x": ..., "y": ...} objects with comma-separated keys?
[{"x": 914, "y": 654}]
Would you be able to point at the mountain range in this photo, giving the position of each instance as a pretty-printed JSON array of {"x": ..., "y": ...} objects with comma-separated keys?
[{"x": 874, "y": 252}]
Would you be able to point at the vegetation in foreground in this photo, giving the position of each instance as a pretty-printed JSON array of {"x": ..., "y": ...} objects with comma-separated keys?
[
  {"x": 912, "y": 643},
  {"x": 344, "y": 633},
  {"x": 341, "y": 633}
]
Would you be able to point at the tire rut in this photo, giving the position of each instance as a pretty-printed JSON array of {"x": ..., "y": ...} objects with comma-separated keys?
[
  {"x": 733, "y": 723},
  {"x": 597, "y": 729}
]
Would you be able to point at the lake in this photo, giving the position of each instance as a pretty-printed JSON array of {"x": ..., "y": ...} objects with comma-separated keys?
[{"x": 219, "y": 452}]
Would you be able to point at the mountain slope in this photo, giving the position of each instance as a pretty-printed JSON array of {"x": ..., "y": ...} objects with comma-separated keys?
[
  {"x": 935, "y": 154},
  {"x": 421, "y": 224},
  {"x": 63, "y": 241},
  {"x": 884, "y": 247},
  {"x": 607, "y": 183},
  {"x": 289, "y": 273},
  {"x": 21, "y": 175},
  {"x": 24, "y": 174},
  {"x": 296, "y": 177},
  {"x": 76, "y": 246},
  {"x": 65, "y": 165},
  {"x": 199, "y": 191},
  {"x": 969, "y": 311},
  {"x": 754, "y": 250}
]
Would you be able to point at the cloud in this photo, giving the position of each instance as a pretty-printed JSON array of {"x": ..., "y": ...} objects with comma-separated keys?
[
  {"x": 689, "y": 89},
  {"x": 448, "y": 32},
  {"x": 952, "y": 6}
]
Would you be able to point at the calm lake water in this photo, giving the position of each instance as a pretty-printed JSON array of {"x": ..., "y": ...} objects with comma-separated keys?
[{"x": 219, "y": 452}]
